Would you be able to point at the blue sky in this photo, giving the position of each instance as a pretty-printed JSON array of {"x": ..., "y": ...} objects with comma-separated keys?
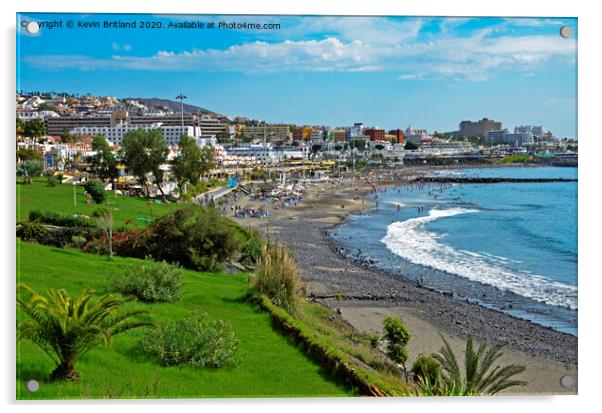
[{"x": 384, "y": 71}]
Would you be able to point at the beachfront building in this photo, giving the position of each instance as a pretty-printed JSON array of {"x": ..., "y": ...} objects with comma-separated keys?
[
  {"x": 504, "y": 137},
  {"x": 537, "y": 131},
  {"x": 172, "y": 134},
  {"x": 267, "y": 154}
]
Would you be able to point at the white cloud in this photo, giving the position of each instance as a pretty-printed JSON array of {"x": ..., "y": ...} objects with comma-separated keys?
[
  {"x": 360, "y": 45},
  {"x": 121, "y": 47}
]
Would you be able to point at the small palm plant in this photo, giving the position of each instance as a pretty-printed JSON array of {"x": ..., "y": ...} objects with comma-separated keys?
[
  {"x": 66, "y": 327},
  {"x": 480, "y": 379}
]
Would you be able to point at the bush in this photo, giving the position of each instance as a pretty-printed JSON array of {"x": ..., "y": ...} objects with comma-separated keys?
[
  {"x": 150, "y": 282},
  {"x": 251, "y": 252},
  {"x": 427, "y": 367},
  {"x": 197, "y": 238},
  {"x": 52, "y": 218},
  {"x": 397, "y": 336},
  {"x": 277, "y": 277},
  {"x": 30, "y": 230},
  {"x": 52, "y": 181},
  {"x": 96, "y": 191},
  {"x": 195, "y": 341}
]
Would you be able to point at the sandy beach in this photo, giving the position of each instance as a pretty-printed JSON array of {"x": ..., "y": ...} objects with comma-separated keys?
[{"x": 369, "y": 295}]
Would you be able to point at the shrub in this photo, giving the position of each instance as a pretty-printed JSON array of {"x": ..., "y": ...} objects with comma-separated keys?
[
  {"x": 51, "y": 181},
  {"x": 30, "y": 230},
  {"x": 251, "y": 252},
  {"x": 150, "y": 282},
  {"x": 427, "y": 367},
  {"x": 194, "y": 341},
  {"x": 29, "y": 169},
  {"x": 52, "y": 218},
  {"x": 130, "y": 243},
  {"x": 277, "y": 277},
  {"x": 96, "y": 191},
  {"x": 196, "y": 237},
  {"x": 397, "y": 336}
]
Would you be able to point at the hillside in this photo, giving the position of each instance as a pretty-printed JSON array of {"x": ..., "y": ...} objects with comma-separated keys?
[{"x": 174, "y": 106}]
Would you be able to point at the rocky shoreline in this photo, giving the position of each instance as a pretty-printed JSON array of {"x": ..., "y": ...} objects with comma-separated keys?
[{"x": 329, "y": 274}]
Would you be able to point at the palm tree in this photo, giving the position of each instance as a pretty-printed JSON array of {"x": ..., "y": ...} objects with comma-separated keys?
[
  {"x": 479, "y": 379},
  {"x": 66, "y": 327}
]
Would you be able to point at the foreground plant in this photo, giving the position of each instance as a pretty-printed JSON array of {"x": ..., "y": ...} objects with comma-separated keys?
[
  {"x": 196, "y": 341},
  {"x": 67, "y": 327},
  {"x": 479, "y": 378},
  {"x": 278, "y": 278},
  {"x": 397, "y": 337},
  {"x": 150, "y": 281}
]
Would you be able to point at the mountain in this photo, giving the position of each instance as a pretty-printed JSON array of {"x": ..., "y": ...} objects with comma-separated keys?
[{"x": 174, "y": 106}]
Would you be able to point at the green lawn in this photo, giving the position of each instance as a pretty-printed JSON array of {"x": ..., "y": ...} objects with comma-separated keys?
[
  {"x": 269, "y": 365},
  {"x": 59, "y": 198}
]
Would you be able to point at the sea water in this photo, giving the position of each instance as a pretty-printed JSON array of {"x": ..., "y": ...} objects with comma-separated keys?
[{"x": 508, "y": 246}]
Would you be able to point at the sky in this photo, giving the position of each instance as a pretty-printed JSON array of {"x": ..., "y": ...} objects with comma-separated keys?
[{"x": 388, "y": 72}]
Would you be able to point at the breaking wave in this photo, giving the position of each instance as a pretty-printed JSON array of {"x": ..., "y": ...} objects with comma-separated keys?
[{"x": 412, "y": 241}]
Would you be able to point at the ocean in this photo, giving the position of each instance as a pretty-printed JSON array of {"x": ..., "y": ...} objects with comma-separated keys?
[{"x": 508, "y": 246}]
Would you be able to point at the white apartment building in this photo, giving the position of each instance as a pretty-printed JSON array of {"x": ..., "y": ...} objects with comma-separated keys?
[
  {"x": 535, "y": 130},
  {"x": 416, "y": 135},
  {"x": 505, "y": 137},
  {"x": 42, "y": 114},
  {"x": 172, "y": 134},
  {"x": 268, "y": 154}
]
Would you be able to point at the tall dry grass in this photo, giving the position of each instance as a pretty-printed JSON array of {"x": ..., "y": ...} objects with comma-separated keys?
[{"x": 278, "y": 277}]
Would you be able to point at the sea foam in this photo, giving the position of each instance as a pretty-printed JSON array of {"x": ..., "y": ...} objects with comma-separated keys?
[{"x": 412, "y": 241}]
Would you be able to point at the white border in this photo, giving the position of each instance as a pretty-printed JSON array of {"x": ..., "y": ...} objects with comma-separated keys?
[{"x": 589, "y": 198}]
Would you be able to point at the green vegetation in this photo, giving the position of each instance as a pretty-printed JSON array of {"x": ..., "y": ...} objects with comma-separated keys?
[
  {"x": 144, "y": 152},
  {"x": 52, "y": 218},
  {"x": 96, "y": 190},
  {"x": 516, "y": 159},
  {"x": 195, "y": 237},
  {"x": 195, "y": 341},
  {"x": 150, "y": 282},
  {"x": 104, "y": 163},
  {"x": 397, "y": 336},
  {"x": 191, "y": 162},
  {"x": 29, "y": 170},
  {"x": 277, "y": 277},
  {"x": 345, "y": 353},
  {"x": 282, "y": 371},
  {"x": 30, "y": 230},
  {"x": 28, "y": 155},
  {"x": 66, "y": 328},
  {"x": 410, "y": 146},
  {"x": 427, "y": 367},
  {"x": 478, "y": 378}
]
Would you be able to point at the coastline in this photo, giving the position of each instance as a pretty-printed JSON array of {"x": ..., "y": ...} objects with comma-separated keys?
[{"x": 368, "y": 295}]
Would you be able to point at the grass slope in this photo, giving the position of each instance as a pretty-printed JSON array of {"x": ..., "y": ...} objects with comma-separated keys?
[
  {"x": 269, "y": 365},
  {"x": 59, "y": 198}
]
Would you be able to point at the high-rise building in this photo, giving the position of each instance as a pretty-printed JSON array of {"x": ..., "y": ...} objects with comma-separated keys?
[{"x": 469, "y": 128}]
